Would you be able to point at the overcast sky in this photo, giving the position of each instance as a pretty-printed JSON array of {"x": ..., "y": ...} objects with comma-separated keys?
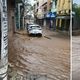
[
  {"x": 32, "y": 1},
  {"x": 76, "y": 1}
]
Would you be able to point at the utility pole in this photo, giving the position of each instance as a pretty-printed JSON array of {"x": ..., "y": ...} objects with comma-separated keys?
[
  {"x": 19, "y": 4},
  {"x": 4, "y": 40}
]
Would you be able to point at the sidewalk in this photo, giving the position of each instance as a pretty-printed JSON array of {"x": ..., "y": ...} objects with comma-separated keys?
[{"x": 76, "y": 32}]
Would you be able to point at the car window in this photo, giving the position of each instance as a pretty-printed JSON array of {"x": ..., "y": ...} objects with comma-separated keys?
[
  {"x": 35, "y": 26},
  {"x": 30, "y": 24}
]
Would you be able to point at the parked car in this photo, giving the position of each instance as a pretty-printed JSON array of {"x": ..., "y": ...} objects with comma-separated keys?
[
  {"x": 28, "y": 25},
  {"x": 34, "y": 29}
]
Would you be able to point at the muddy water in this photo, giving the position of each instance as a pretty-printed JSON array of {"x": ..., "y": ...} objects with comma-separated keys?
[
  {"x": 76, "y": 58},
  {"x": 36, "y": 58}
]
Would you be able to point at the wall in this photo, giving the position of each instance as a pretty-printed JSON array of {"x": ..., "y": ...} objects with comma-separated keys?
[
  {"x": 63, "y": 5},
  {"x": 63, "y": 14},
  {"x": 11, "y": 5}
]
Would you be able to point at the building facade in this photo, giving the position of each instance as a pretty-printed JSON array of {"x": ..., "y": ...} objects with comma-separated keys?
[
  {"x": 7, "y": 24},
  {"x": 3, "y": 40},
  {"x": 15, "y": 14},
  {"x": 38, "y": 13},
  {"x": 53, "y": 14},
  {"x": 63, "y": 14},
  {"x": 44, "y": 12}
]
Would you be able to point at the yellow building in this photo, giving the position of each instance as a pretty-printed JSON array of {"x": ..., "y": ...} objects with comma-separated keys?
[{"x": 63, "y": 14}]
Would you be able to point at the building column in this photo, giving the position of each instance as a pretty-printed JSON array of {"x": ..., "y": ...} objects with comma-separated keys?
[
  {"x": 60, "y": 23},
  {"x": 23, "y": 23},
  {"x": 57, "y": 22},
  {"x": 19, "y": 14},
  {"x": 65, "y": 25},
  {"x": 4, "y": 44},
  {"x": 3, "y": 72},
  {"x": 54, "y": 24},
  {"x": 44, "y": 24}
]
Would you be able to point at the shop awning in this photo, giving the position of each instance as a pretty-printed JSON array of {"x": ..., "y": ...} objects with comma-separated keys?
[
  {"x": 51, "y": 15},
  {"x": 63, "y": 17}
]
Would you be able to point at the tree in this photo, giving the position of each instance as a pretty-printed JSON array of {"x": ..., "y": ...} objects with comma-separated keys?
[{"x": 76, "y": 9}]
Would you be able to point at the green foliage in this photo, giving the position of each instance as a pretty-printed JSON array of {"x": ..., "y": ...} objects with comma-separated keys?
[{"x": 76, "y": 9}]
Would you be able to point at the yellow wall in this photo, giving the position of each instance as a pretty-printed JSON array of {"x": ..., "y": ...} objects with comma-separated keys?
[
  {"x": 63, "y": 5},
  {"x": 48, "y": 5}
]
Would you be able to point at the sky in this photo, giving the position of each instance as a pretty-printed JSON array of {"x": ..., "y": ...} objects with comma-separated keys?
[
  {"x": 32, "y": 1},
  {"x": 76, "y": 1}
]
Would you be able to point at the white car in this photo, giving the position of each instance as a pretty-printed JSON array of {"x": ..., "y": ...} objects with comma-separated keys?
[{"x": 34, "y": 30}]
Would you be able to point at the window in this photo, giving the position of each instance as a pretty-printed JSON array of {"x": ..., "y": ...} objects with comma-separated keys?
[{"x": 45, "y": 8}]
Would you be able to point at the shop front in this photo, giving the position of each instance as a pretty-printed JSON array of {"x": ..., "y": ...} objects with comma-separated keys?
[
  {"x": 50, "y": 20},
  {"x": 63, "y": 22}
]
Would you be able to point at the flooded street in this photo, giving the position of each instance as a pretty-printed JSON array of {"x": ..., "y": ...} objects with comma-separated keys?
[
  {"x": 39, "y": 58},
  {"x": 76, "y": 58}
]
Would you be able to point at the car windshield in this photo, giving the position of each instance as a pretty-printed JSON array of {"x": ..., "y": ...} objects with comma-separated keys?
[
  {"x": 34, "y": 27},
  {"x": 30, "y": 24}
]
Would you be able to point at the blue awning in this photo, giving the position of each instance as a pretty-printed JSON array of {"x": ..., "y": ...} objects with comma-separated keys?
[{"x": 51, "y": 15}]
